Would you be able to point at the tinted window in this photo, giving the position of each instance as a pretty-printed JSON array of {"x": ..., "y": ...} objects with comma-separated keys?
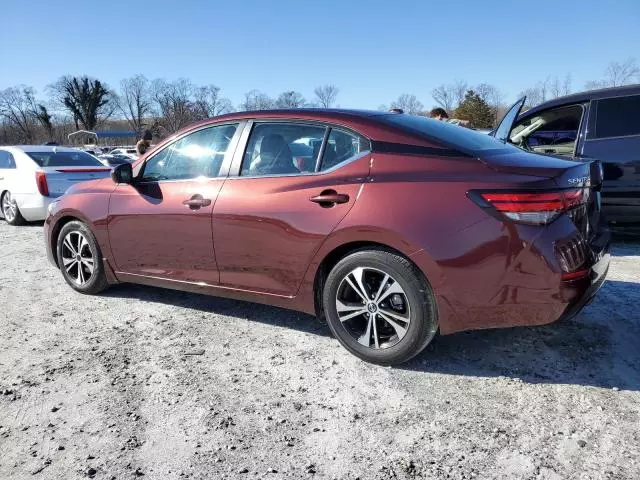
[
  {"x": 282, "y": 149},
  {"x": 618, "y": 117},
  {"x": 64, "y": 159},
  {"x": 461, "y": 138},
  {"x": 199, "y": 154},
  {"x": 5, "y": 161},
  {"x": 341, "y": 147}
]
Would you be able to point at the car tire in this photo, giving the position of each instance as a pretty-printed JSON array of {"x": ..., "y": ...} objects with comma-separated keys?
[
  {"x": 10, "y": 210},
  {"x": 80, "y": 258},
  {"x": 403, "y": 307}
]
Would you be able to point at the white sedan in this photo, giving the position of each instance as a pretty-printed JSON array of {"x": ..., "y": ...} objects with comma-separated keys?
[
  {"x": 31, "y": 177},
  {"x": 128, "y": 152}
]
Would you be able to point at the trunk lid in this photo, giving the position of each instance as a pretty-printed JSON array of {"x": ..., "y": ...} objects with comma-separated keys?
[
  {"x": 565, "y": 174},
  {"x": 59, "y": 179}
]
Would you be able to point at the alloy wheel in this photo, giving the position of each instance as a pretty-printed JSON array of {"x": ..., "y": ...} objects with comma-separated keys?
[
  {"x": 373, "y": 307},
  {"x": 9, "y": 207},
  {"x": 77, "y": 258}
]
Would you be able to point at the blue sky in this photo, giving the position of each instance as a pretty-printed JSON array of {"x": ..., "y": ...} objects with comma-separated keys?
[{"x": 372, "y": 50}]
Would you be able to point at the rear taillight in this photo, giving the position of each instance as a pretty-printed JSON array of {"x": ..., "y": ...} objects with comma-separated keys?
[
  {"x": 41, "y": 181},
  {"x": 537, "y": 208}
]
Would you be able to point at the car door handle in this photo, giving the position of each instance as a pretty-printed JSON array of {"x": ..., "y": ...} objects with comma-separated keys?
[
  {"x": 328, "y": 198},
  {"x": 196, "y": 202}
]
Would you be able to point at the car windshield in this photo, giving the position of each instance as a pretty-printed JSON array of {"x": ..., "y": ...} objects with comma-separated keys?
[
  {"x": 453, "y": 136},
  {"x": 64, "y": 159}
]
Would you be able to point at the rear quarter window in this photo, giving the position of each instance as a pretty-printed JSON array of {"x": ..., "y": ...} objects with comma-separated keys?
[
  {"x": 617, "y": 117},
  {"x": 64, "y": 159}
]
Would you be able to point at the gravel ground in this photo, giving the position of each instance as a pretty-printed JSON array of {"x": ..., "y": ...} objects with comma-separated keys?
[{"x": 149, "y": 383}]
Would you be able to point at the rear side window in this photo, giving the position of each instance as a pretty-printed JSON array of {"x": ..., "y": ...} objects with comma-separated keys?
[
  {"x": 6, "y": 160},
  {"x": 64, "y": 159},
  {"x": 618, "y": 117},
  {"x": 341, "y": 147}
]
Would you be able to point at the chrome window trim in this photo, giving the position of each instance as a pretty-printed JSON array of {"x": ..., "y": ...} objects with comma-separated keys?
[
  {"x": 306, "y": 174},
  {"x": 236, "y": 166},
  {"x": 226, "y": 163}
]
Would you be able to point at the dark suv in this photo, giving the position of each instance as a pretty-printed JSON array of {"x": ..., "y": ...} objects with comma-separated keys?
[{"x": 598, "y": 124}]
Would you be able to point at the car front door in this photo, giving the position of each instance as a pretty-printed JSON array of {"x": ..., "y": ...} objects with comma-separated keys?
[
  {"x": 160, "y": 226},
  {"x": 270, "y": 217}
]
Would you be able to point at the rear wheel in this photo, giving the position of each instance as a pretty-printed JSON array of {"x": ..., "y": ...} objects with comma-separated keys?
[
  {"x": 80, "y": 258},
  {"x": 10, "y": 210},
  {"x": 380, "y": 307}
]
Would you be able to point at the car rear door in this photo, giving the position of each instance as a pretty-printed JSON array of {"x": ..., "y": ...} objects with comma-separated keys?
[
  {"x": 160, "y": 226},
  {"x": 267, "y": 225}
]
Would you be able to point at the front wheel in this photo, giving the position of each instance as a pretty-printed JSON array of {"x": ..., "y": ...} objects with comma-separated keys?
[
  {"x": 380, "y": 307},
  {"x": 10, "y": 210},
  {"x": 80, "y": 258}
]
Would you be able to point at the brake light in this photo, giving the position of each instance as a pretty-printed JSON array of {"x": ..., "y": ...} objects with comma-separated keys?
[
  {"x": 532, "y": 208},
  {"x": 570, "y": 276},
  {"x": 82, "y": 170},
  {"x": 41, "y": 182}
]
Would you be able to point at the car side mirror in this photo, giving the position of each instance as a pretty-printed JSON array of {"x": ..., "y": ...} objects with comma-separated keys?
[{"x": 122, "y": 174}]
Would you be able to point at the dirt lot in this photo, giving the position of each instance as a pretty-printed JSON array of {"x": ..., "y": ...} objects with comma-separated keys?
[{"x": 148, "y": 383}]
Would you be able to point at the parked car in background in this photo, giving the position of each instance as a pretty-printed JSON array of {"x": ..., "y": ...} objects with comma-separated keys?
[
  {"x": 398, "y": 227},
  {"x": 113, "y": 160},
  {"x": 31, "y": 177},
  {"x": 594, "y": 125},
  {"x": 129, "y": 152}
]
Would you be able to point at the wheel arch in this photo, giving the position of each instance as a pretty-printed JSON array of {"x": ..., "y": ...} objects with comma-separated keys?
[{"x": 337, "y": 252}]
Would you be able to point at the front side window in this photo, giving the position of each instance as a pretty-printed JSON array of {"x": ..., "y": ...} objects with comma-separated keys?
[
  {"x": 617, "y": 117},
  {"x": 282, "y": 149},
  {"x": 199, "y": 154},
  {"x": 342, "y": 146}
]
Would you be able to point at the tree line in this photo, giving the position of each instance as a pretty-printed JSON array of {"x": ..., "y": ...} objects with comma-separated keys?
[{"x": 163, "y": 106}]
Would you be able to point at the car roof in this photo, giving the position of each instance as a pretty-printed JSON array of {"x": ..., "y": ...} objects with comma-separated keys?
[
  {"x": 42, "y": 148},
  {"x": 587, "y": 96}
]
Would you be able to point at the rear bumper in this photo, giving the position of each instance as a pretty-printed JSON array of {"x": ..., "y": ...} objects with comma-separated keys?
[
  {"x": 581, "y": 292},
  {"x": 33, "y": 206}
]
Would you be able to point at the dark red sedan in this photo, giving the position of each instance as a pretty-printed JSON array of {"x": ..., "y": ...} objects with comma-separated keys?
[{"x": 391, "y": 227}]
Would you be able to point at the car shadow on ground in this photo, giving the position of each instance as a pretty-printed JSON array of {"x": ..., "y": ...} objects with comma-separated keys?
[
  {"x": 222, "y": 306},
  {"x": 600, "y": 347}
]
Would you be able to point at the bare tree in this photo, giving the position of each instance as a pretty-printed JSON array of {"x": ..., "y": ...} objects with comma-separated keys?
[
  {"x": 16, "y": 104},
  {"x": 87, "y": 99},
  {"x": 493, "y": 97},
  {"x": 173, "y": 102},
  {"x": 618, "y": 74},
  {"x": 256, "y": 100},
  {"x": 290, "y": 99},
  {"x": 460, "y": 88},
  {"x": 444, "y": 96},
  {"x": 409, "y": 103},
  {"x": 326, "y": 95},
  {"x": 209, "y": 103},
  {"x": 559, "y": 88},
  {"x": 135, "y": 101}
]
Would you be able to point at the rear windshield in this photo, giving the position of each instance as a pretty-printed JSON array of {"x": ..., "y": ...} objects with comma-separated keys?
[
  {"x": 453, "y": 136},
  {"x": 64, "y": 159}
]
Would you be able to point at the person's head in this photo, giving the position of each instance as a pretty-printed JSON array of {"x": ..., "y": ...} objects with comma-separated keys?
[
  {"x": 147, "y": 136},
  {"x": 439, "y": 114}
]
